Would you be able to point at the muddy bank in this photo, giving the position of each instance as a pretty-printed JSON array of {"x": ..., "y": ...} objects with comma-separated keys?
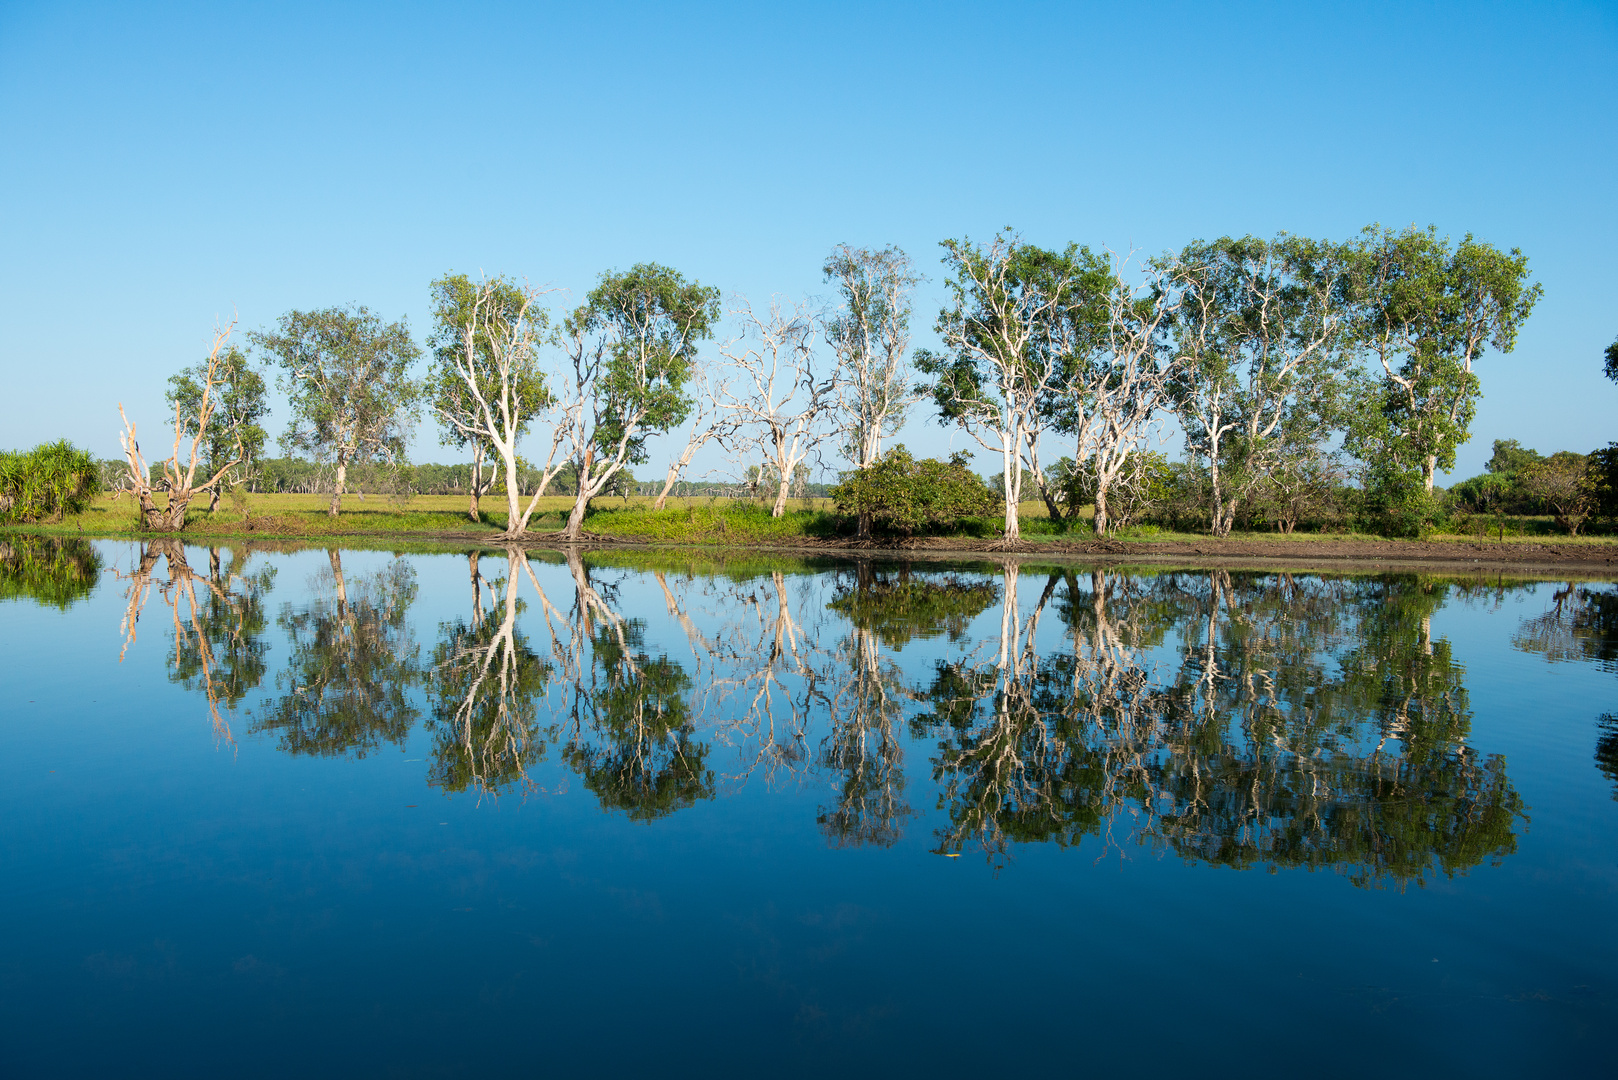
[{"x": 1358, "y": 554}]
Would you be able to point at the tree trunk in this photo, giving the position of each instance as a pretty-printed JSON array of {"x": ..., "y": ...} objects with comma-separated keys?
[
  {"x": 668, "y": 485},
  {"x": 514, "y": 522},
  {"x": 213, "y": 500},
  {"x": 581, "y": 501},
  {"x": 337, "y": 488},
  {"x": 575, "y": 520},
  {"x": 1101, "y": 509},
  {"x": 1429, "y": 470},
  {"x": 781, "y": 498},
  {"x": 1010, "y": 482}
]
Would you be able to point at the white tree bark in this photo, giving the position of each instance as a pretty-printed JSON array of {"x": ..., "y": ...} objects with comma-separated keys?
[{"x": 786, "y": 404}]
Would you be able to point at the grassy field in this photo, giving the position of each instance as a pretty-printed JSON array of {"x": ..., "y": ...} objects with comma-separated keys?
[{"x": 704, "y": 520}]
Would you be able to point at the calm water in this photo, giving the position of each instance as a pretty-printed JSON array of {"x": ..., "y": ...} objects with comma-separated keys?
[{"x": 349, "y": 813}]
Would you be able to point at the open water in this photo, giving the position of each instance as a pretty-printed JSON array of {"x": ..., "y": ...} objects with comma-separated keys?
[{"x": 312, "y": 812}]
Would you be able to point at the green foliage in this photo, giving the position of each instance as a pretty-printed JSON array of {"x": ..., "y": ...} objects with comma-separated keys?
[
  {"x": 506, "y": 327},
  {"x": 906, "y": 496},
  {"x": 48, "y": 571},
  {"x": 1394, "y": 502},
  {"x": 236, "y": 405},
  {"x": 1510, "y": 458},
  {"x": 1612, "y": 361},
  {"x": 1143, "y": 483},
  {"x": 650, "y": 319},
  {"x": 1428, "y": 309},
  {"x": 1265, "y": 351},
  {"x": 346, "y": 375},
  {"x": 1563, "y": 483},
  {"x": 49, "y": 481},
  {"x": 1603, "y": 478}
]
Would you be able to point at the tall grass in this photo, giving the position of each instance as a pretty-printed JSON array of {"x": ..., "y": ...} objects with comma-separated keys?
[{"x": 47, "y": 483}]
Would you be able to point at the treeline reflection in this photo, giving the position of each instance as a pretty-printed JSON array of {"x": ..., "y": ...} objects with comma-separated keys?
[{"x": 1233, "y": 718}]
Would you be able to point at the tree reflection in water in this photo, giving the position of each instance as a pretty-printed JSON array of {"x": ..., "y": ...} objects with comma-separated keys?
[
  {"x": 485, "y": 683},
  {"x": 1309, "y": 722},
  {"x": 49, "y": 571},
  {"x": 1581, "y": 625},
  {"x": 218, "y": 645},
  {"x": 1231, "y": 718},
  {"x": 346, "y": 687},
  {"x": 866, "y": 705}
]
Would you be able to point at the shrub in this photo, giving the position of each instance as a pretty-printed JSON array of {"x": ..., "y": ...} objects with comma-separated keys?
[
  {"x": 49, "y": 481},
  {"x": 905, "y": 496},
  {"x": 1563, "y": 483},
  {"x": 1394, "y": 503}
]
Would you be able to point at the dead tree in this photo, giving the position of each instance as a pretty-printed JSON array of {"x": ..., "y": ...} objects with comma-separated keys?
[
  {"x": 786, "y": 401},
  {"x": 179, "y": 482}
]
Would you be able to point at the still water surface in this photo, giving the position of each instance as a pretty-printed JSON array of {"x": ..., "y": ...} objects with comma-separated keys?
[{"x": 351, "y": 813}]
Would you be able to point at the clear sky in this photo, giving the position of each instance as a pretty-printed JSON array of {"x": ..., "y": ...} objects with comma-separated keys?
[{"x": 164, "y": 165}]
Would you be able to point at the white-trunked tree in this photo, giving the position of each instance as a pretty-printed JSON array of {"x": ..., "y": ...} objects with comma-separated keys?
[
  {"x": 870, "y": 333},
  {"x": 712, "y": 422},
  {"x": 1005, "y": 353},
  {"x": 1118, "y": 368},
  {"x": 487, "y": 382},
  {"x": 785, "y": 401},
  {"x": 632, "y": 348}
]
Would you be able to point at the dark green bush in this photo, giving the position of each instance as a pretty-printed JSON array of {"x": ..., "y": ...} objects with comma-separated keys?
[
  {"x": 904, "y": 495},
  {"x": 47, "y": 482}
]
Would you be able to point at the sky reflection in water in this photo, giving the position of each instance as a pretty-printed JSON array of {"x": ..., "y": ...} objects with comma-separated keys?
[{"x": 653, "y": 810}]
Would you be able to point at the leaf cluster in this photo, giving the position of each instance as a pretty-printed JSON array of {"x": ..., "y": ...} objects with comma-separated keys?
[{"x": 905, "y": 495}]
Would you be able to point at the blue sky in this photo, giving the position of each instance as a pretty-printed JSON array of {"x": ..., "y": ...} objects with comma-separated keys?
[{"x": 166, "y": 164}]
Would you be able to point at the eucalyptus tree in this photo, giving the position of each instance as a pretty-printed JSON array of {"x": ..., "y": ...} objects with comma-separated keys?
[
  {"x": 234, "y": 439},
  {"x": 1428, "y": 309},
  {"x": 870, "y": 334},
  {"x": 346, "y": 375},
  {"x": 200, "y": 424},
  {"x": 487, "y": 384},
  {"x": 785, "y": 396},
  {"x": 1007, "y": 349},
  {"x": 632, "y": 347},
  {"x": 1262, "y": 347},
  {"x": 1120, "y": 371}
]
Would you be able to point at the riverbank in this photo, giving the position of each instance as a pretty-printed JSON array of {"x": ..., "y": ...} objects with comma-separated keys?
[{"x": 442, "y": 523}]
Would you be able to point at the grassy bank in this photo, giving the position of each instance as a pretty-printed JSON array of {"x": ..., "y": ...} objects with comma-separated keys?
[{"x": 707, "y": 521}]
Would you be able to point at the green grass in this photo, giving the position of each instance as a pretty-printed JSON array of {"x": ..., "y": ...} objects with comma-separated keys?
[{"x": 434, "y": 520}]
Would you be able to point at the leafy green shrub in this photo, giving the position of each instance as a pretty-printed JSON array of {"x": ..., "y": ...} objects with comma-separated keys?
[
  {"x": 1563, "y": 483},
  {"x": 49, "y": 481},
  {"x": 906, "y": 496}
]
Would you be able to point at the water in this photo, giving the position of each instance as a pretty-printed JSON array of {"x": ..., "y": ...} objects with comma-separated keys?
[{"x": 357, "y": 814}]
